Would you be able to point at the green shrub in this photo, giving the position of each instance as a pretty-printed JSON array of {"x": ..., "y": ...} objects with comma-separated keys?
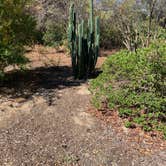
[
  {"x": 110, "y": 37},
  {"x": 54, "y": 34},
  {"x": 129, "y": 124},
  {"x": 17, "y": 29},
  {"x": 125, "y": 113},
  {"x": 135, "y": 84},
  {"x": 161, "y": 33}
]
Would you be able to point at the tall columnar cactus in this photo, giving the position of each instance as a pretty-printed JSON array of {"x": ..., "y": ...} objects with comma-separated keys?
[{"x": 83, "y": 43}]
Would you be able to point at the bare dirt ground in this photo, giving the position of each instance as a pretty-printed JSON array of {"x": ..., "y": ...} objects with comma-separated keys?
[{"x": 46, "y": 120}]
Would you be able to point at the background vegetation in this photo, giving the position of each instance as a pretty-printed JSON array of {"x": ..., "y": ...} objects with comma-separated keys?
[{"x": 125, "y": 23}]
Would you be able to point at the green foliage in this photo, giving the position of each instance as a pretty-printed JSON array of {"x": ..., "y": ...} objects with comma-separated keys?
[
  {"x": 17, "y": 29},
  {"x": 129, "y": 124},
  {"x": 137, "y": 23},
  {"x": 83, "y": 43},
  {"x": 54, "y": 34},
  {"x": 135, "y": 84},
  {"x": 165, "y": 133},
  {"x": 124, "y": 113},
  {"x": 161, "y": 33},
  {"x": 110, "y": 36}
]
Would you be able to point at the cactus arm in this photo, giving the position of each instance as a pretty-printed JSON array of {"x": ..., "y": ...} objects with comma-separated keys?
[
  {"x": 97, "y": 39},
  {"x": 97, "y": 25},
  {"x": 80, "y": 40},
  {"x": 91, "y": 16}
]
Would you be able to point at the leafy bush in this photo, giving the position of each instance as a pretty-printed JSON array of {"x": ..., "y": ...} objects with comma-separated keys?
[
  {"x": 17, "y": 29},
  {"x": 54, "y": 34},
  {"x": 161, "y": 33},
  {"x": 135, "y": 84},
  {"x": 110, "y": 35}
]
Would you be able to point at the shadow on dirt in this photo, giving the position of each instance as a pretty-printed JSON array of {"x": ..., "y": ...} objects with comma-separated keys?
[
  {"x": 43, "y": 81},
  {"x": 25, "y": 84}
]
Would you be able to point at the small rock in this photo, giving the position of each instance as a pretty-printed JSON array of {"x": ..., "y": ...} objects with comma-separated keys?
[
  {"x": 77, "y": 159},
  {"x": 142, "y": 159},
  {"x": 14, "y": 104},
  {"x": 153, "y": 134},
  {"x": 108, "y": 113},
  {"x": 88, "y": 130},
  {"x": 64, "y": 146}
]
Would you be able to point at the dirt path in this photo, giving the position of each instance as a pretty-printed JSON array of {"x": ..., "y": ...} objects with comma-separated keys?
[{"x": 46, "y": 123}]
